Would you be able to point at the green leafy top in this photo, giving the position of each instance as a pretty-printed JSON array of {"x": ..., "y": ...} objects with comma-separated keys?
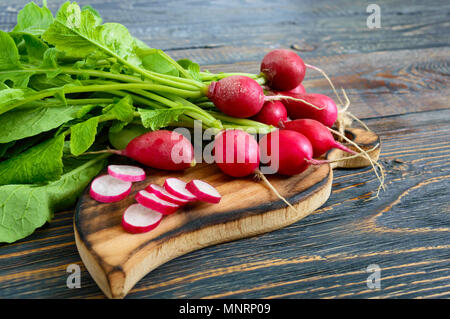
[
  {"x": 79, "y": 33},
  {"x": 33, "y": 20}
]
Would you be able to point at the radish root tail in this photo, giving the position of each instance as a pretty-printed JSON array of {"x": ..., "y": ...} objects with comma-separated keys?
[
  {"x": 309, "y": 66},
  {"x": 345, "y": 119},
  {"x": 284, "y": 97},
  {"x": 375, "y": 164},
  {"x": 260, "y": 176},
  {"x": 355, "y": 155}
]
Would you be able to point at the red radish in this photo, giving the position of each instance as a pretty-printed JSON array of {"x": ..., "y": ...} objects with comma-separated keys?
[
  {"x": 139, "y": 219},
  {"x": 272, "y": 113},
  {"x": 165, "y": 195},
  {"x": 236, "y": 153},
  {"x": 152, "y": 201},
  {"x": 127, "y": 173},
  {"x": 318, "y": 134},
  {"x": 107, "y": 189},
  {"x": 177, "y": 188},
  {"x": 300, "y": 89},
  {"x": 288, "y": 150},
  {"x": 326, "y": 114},
  {"x": 283, "y": 69},
  {"x": 159, "y": 149},
  {"x": 204, "y": 191},
  {"x": 237, "y": 96}
]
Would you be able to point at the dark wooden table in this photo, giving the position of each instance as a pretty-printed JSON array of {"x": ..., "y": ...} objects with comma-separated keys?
[{"x": 397, "y": 78}]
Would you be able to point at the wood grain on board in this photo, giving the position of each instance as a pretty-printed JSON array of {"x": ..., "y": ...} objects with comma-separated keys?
[
  {"x": 397, "y": 79},
  {"x": 117, "y": 260}
]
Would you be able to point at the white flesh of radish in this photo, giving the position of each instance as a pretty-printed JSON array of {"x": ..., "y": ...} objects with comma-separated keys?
[
  {"x": 165, "y": 195},
  {"x": 204, "y": 191},
  {"x": 127, "y": 173},
  {"x": 177, "y": 187},
  {"x": 138, "y": 218},
  {"x": 152, "y": 201},
  {"x": 108, "y": 189}
]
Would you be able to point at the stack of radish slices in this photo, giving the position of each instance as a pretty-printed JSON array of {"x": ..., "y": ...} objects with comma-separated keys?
[
  {"x": 117, "y": 185},
  {"x": 152, "y": 203}
]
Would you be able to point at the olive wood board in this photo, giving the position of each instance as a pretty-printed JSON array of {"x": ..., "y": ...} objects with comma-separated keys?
[{"x": 117, "y": 260}]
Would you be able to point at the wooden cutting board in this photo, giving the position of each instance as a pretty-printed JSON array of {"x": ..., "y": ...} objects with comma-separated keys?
[{"x": 117, "y": 260}]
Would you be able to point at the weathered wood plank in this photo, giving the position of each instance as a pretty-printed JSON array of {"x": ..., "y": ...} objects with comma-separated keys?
[
  {"x": 317, "y": 28},
  {"x": 406, "y": 233}
]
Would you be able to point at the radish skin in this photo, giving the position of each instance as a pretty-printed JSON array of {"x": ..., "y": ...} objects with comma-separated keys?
[
  {"x": 318, "y": 134},
  {"x": 140, "y": 219},
  {"x": 300, "y": 89},
  {"x": 177, "y": 188},
  {"x": 289, "y": 151},
  {"x": 127, "y": 173},
  {"x": 326, "y": 113},
  {"x": 272, "y": 113},
  {"x": 204, "y": 191},
  {"x": 237, "y": 96},
  {"x": 107, "y": 189},
  {"x": 236, "y": 153},
  {"x": 161, "y": 149},
  {"x": 165, "y": 195},
  {"x": 283, "y": 69},
  {"x": 152, "y": 201}
]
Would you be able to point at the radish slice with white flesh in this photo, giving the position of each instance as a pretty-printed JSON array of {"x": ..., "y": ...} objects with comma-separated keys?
[
  {"x": 152, "y": 201},
  {"x": 107, "y": 189},
  {"x": 163, "y": 194},
  {"x": 203, "y": 191},
  {"x": 177, "y": 187},
  {"x": 140, "y": 219},
  {"x": 127, "y": 173}
]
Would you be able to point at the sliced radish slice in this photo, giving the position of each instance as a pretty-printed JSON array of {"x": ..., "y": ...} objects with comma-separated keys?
[
  {"x": 140, "y": 219},
  {"x": 127, "y": 173},
  {"x": 177, "y": 187},
  {"x": 107, "y": 189},
  {"x": 203, "y": 191},
  {"x": 163, "y": 194},
  {"x": 152, "y": 201}
]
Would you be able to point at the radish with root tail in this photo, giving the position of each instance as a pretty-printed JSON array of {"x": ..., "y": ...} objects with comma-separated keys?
[
  {"x": 318, "y": 134},
  {"x": 161, "y": 149}
]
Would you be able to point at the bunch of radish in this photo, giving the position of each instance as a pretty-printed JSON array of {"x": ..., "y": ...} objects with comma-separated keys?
[
  {"x": 301, "y": 132},
  {"x": 305, "y": 120},
  {"x": 284, "y": 71}
]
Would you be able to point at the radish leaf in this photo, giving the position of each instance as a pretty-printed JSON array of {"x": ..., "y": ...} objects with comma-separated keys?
[
  {"x": 23, "y": 208},
  {"x": 156, "y": 119},
  {"x": 154, "y": 60},
  {"x": 123, "y": 110},
  {"x": 10, "y": 66},
  {"x": 41, "y": 163},
  {"x": 78, "y": 33},
  {"x": 33, "y": 19},
  {"x": 192, "y": 67},
  {"x": 82, "y": 135},
  {"x": 19, "y": 124}
]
